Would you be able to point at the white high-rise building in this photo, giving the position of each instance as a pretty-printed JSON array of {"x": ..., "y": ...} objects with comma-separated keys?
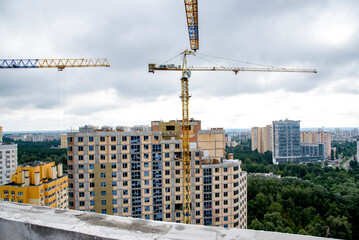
[{"x": 8, "y": 160}]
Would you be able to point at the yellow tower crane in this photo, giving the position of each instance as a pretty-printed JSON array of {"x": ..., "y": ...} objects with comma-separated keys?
[{"x": 191, "y": 7}]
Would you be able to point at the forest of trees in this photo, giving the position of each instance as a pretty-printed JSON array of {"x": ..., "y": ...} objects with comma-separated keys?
[
  {"x": 46, "y": 151},
  {"x": 308, "y": 199}
]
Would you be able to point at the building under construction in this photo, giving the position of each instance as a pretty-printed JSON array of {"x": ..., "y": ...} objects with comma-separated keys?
[{"x": 138, "y": 172}]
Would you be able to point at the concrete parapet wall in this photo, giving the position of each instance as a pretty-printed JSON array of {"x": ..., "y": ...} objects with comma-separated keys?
[{"x": 23, "y": 221}]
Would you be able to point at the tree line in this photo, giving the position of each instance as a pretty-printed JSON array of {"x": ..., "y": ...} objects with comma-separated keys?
[{"x": 309, "y": 198}]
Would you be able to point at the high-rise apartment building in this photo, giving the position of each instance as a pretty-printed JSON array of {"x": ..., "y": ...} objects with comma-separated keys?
[
  {"x": 8, "y": 160},
  {"x": 262, "y": 138},
  {"x": 0, "y": 135},
  {"x": 37, "y": 183},
  {"x": 140, "y": 174},
  {"x": 286, "y": 141},
  {"x": 318, "y": 137}
]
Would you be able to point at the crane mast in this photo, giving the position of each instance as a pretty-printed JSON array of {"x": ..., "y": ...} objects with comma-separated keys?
[{"x": 191, "y": 7}]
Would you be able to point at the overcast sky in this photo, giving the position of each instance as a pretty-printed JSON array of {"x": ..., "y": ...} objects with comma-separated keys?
[{"x": 296, "y": 34}]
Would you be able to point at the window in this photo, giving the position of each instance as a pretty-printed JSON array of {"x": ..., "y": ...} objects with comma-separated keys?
[
  {"x": 81, "y": 157},
  {"x": 124, "y": 165},
  {"x": 124, "y": 174},
  {"x": 125, "y": 209},
  {"x": 103, "y": 184},
  {"x": 145, "y": 138},
  {"x": 147, "y": 208},
  {"x": 197, "y": 170},
  {"x": 225, "y": 169},
  {"x": 147, "y": 182},
  {"x": 82, "y": 203},
  {"x": 217, "y": 178},
  {"x": 178, "y": 189},
  {"x": 178, "y": 180},
  {"x": 125, "y": 201},
  {"x": 69, "y": 158},
  {"x": 113, "y": 174},
  {"x": 156, "y": 138},
  {"x": 167, "y": 172},
  {"x": 113, "y": 139},
  {"x": 225, "y": 218},
  {"x": 103, "y": 193},
  {"x": 198, "y": 221},
  {"x": 103, "y": 166},
  {"x": 198, "y": 205},
  {"x": 124, "y": 147},
  {"x": 69, "y": 139},
  {"x": 225, "y": 185},
  {"x": 103, "y": 211},
  {"x": 92, "y": 175},
  {"x": 124, "y": 183},
  {"x": 103, "y": 175},
  {"x": 81, "y": 185},
  {"x": 113, "y": 165},
  {"x": 92, "y": 185},
  {"x": 225, "y": 178},
  {"x": 81, "y": 176},
  {"x": 124, "y": 138},
  {"x": 198, "y": 196},
  {"x": 114, "y": 201},
  {"x": 124, "y": 156},
  {"x": 114, "y": 192},
  {"x": 177, "y": 145},
  {"x": 81, "y": 194},
  {"x": 103, "y": 157},
  {"x": 69, "y": 148},
  {"x": 178, "y": 197},
  {"x": 91, "y": 139},
  {"x": 102, "y": 148},
  {"x": 168, "y": 198},
  {"x": 167, "y": 164},
  {"x": 102, "y": 139},
  {"x": 80, "y": 148},
  {"x": 145, "y": 147},
  {"x": 91, "y": 166},
  {"x": 147, "y": 199},
  {"x": 113, "y": 147},
  {"x": 167, "y": 146},
  {"x": 80, "y": 139},
  {"x": 217, "y": 211},
  {"x": 225, "y": 202},
  {"x": 81, "y": 166},
  {"x": 91, "y": 157},
  {"x": 197, "y": 179},
  {"x": 114, "y": 210},
  {"x": 147, "y": 173},
  {"x": 125, "y": 192},
  {"x": 167, "y": 155},
  {"x": 114, "y": 184}
]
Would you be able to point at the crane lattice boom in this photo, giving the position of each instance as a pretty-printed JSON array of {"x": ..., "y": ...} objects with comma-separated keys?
[
  {"x": 54, "y": 63},
  {"x": 170, "y": 67}
]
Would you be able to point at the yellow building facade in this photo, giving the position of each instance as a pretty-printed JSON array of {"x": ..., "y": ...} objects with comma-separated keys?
[{"x": 37, "y": 183}]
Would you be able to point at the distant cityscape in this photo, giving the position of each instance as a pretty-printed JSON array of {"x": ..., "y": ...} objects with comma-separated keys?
[{"x": 137, "y": 171}]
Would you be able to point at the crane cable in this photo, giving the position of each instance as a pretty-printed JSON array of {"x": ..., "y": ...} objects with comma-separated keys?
[{"x": 235, "y": 60}]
